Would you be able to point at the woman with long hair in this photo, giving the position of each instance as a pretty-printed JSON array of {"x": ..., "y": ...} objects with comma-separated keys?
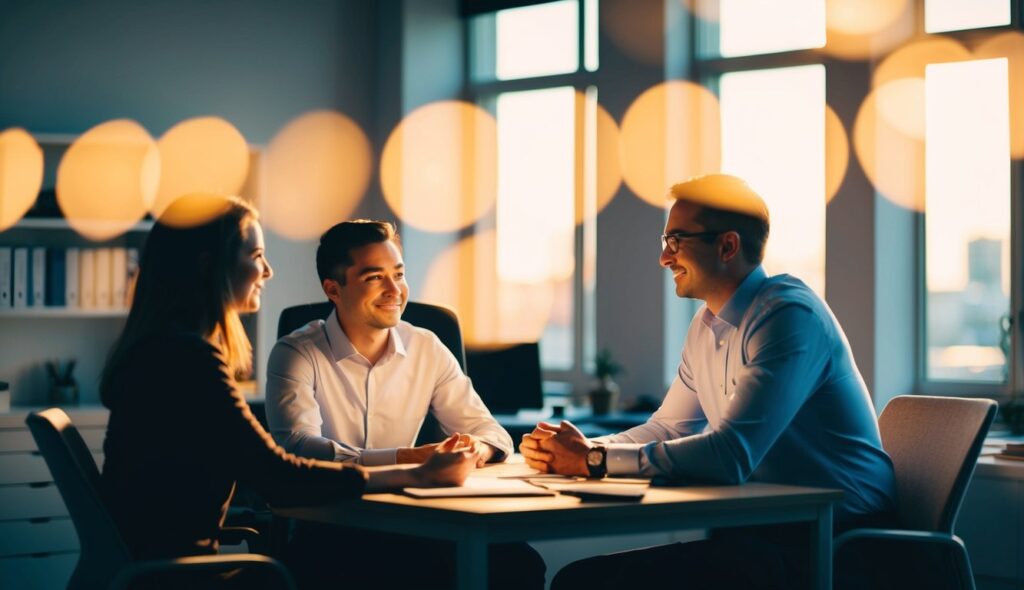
[{"x": 180, "y": 433}]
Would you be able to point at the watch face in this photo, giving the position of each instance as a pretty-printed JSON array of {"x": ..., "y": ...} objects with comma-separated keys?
[{"x": 594, "y": 457}]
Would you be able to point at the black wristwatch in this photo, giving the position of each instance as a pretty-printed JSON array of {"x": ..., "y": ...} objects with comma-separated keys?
[{"x": 597, "y": 462}]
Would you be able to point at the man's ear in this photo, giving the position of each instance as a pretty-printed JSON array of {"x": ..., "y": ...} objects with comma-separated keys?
[
  {"x": 332, "y": 289},
  {"x": 729, "y": 246}
]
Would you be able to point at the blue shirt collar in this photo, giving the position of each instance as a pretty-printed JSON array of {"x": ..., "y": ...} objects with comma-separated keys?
[{"x": 733, "y": 310}]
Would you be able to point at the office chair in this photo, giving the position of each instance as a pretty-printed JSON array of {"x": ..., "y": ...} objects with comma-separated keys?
[
  {"x": 934, "y": 444},
  {"x": 104, "y": 561}
]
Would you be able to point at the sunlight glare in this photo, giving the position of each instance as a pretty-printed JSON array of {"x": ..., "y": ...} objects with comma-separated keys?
[{"x": 773, "y": 136}]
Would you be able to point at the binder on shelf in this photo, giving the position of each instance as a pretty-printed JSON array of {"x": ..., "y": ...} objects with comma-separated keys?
[
  {"x": 103, "y": 279},
  {"x": 132, "y": 273},
  {"x": 118, "y": 276},
  {"x": 87, "y": 279},
  {"x": 71, "y": 293},
  {"x": 38, "y": 277},
  {"x": 5, "y": 277},
  {"x": 20, "y": 278},
  {"x": 56, "y": 274}
]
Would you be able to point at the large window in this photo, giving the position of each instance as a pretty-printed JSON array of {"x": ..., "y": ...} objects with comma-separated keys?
[
  {"x": 773, "y": 117},
  {"x": 532, "y": 68},
  {"x": 967, "y": 221}
]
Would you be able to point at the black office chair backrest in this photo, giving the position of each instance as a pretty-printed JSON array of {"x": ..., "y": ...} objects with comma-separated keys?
[
  {"x": 934, "y": 444},
  {"x": 441, "y": 321},
  {"x": 103, "y": 552}
]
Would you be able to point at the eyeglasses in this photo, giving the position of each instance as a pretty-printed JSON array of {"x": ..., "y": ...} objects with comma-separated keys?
[{"x": 671, "y": 241}]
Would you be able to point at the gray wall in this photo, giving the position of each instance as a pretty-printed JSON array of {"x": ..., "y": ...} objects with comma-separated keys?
[{"x": 66, "y": 66}]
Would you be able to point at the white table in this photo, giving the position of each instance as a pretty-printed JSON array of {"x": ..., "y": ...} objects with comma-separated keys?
[{"x": 474, "y": 523}]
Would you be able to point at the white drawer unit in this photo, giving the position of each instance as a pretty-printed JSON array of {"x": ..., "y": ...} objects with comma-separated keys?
[
  {"x": 37, "y": 572},
  {"x": 38, "y": 544}
]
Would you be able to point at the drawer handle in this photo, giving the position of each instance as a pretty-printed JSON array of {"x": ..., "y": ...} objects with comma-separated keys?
[
  {"x": 40, "y": 520},
  {"x": 36, "y": 453},
  {"x": 40, "y": 484}
]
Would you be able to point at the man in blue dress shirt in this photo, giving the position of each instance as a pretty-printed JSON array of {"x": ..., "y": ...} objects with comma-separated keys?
[{"x": 767, "y": 390}]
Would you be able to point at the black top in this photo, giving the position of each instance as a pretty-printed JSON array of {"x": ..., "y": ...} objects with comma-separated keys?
[{"x": 180, "y": 435}]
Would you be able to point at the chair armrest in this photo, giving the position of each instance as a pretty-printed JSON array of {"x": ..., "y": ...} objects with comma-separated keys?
[
  {"x": 897, "y": 535},
  {"x": 963, "y": 560},
  {"x": 268, "y": 568},
  {"x": 235, "y": 535}
]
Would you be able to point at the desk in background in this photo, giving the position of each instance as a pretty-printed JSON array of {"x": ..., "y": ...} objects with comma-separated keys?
[{"x": 474, "y": 523}]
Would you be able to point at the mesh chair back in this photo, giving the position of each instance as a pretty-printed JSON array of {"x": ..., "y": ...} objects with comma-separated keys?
[
  {"x": 103, "y": 552},
  {"x": 441, "y": 321},
  {"x": 934, "y": 444}
]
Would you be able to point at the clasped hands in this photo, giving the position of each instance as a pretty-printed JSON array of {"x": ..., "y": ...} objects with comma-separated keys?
[
  {"x": 558, "y": 448},
  {"x": 456, "y": 443}
]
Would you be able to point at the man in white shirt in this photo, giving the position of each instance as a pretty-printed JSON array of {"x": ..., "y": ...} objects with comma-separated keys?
[{"x": 358, "y": 385}]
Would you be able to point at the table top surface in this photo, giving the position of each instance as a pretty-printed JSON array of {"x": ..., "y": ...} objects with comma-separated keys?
[{"x": 667, "y": 501}]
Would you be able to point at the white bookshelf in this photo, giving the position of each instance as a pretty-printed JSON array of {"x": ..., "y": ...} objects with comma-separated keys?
[
  {"x": 61, "y": 313},
  {"x": 59, "y": 223}
]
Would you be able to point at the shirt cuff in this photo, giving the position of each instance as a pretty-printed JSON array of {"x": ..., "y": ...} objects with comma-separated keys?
[
  {"x": 371, "y": 457},
  {"x": 623, "y": 458}
]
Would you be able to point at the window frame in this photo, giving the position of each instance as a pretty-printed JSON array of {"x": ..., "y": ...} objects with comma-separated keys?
[
  {"x": 484, "y": 93},
  {"x": 1015, "y": 380}
]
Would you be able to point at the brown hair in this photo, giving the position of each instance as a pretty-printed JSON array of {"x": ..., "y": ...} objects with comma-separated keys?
[
  {"x": 727, "y": 203},
  {"x": 337, "y": 243},
  {"x": 184, "y": 281}
]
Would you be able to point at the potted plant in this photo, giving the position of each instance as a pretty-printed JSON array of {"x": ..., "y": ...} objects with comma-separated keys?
[
  {"x": 1012, "y": 410},
  {"x": 604, "y": 398},
  {"x": 63, "y": 387}
]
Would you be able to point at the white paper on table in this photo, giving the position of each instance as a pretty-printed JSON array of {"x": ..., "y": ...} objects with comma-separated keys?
[{"x": 481, "y": 486}]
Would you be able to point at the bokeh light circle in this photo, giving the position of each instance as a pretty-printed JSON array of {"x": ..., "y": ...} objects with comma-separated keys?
[
  {"x": 636, "y": 27},
  {"x": 863, "y": 29},
  {"x": 317, "y": 170},
  {"x": 893, "y": 159},
  {"x": 911, "y": 60},
  {"x": 670, "y": 133},
  {"x": 438, "y": 170},
  {"x": 1010, "y": 45},
  {"x": 862, "y": 17},
  {"x": 201, "y": 154},
  {"x": 194, "y": 209},
  {"x": 607, "y": 174},
  {"x": 491, "y": 311},
  {"x": 837, "y": 153},
  {"x": 108, "y": 179},
  {"x": 21, "y": 175}
]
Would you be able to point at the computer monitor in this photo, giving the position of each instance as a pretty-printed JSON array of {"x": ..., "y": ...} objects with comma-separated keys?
[{"x": 507, "y": 377}]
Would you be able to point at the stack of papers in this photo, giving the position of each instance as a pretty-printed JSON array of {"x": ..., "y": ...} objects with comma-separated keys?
[
  {"x": 1012, "y": 451},
  {"x": 611, "y": 489},
  {"x": 601, "y": 490},
  {"x": 482, "y": 486}
]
